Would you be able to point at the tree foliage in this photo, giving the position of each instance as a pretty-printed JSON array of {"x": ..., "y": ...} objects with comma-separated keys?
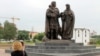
[
  {"x": 10, "y": 30},
  {"x": 23, "y": 35},
  {"x": 95, "y": 41},
  {"x": 38, "y": 37},
  {"x": 1, "y": 31},
  {"x": 96, "y": 36}
]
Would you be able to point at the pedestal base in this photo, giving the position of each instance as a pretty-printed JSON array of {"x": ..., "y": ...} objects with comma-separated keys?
[{"x": 61, "y": 48}]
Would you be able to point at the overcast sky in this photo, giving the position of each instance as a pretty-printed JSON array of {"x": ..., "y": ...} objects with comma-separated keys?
[{"x": 32, "y": 13}]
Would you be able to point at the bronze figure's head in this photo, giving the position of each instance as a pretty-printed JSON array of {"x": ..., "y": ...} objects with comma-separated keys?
[
  {"x": 68, "y": 6},
  {"x": 53, "y": 3}
]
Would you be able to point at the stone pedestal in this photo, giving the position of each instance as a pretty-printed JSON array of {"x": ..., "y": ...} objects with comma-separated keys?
[
  {"x": 60, "y": 41},
  {"x": 61, "y": 48}
]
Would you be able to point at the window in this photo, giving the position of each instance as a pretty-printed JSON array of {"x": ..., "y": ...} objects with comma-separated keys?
[
  {"x": 85, "y": 41},
  {"x": 78, "y": 33},
  {"x": 85, "y": 33}
]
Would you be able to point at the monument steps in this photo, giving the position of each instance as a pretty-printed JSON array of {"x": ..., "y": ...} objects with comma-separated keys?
[
  {"x": 62, "y": 51},
  {"x": 66, "y": 54},
  {"x": 60, "y": 47},
  {"x": 56, "y": 47},
  {"x": 96, "y": 53},
  {"x": 59, "y": 44}
]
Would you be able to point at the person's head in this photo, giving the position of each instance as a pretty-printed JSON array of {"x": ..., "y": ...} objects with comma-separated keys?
[
  {"x": 22, "y": 43},
  {"x": 53, "y": 3},
  {"x": 67, "y": 6},
  {"x": 17, "y": 46}
]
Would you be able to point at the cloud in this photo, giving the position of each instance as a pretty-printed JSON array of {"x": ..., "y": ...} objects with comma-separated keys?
[{"x": 32, "y": 12}]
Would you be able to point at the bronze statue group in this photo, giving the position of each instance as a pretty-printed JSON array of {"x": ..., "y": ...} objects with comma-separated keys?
[{"x": 52, "y": 26}]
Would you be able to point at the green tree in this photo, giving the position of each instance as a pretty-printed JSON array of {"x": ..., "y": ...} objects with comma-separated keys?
[
  {"x": 10, "y": 30},
  {"x": 96, "y": 36},
  {"x": 23, "y": 35},
  {"x": 38, "y": 37},
  {"x": 1, "y": 31}
]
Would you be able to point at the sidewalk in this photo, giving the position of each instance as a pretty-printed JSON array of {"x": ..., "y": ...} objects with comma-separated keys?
[{"x": 2, "y": 53}]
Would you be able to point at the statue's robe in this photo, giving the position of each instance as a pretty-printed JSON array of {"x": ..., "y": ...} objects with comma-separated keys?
[
  {"x": 68, "y": 20},
  {"x": 51, "y": 21}
]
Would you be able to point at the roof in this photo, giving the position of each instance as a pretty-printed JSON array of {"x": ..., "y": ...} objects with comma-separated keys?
[{"x": 81, "y": 29}]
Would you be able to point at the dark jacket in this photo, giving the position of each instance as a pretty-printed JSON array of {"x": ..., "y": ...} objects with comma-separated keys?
[
  {"x": 51, "y": 21},
  {"x": 18, "y": 53}
]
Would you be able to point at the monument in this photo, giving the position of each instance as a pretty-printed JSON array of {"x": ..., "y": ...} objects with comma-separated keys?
[
  {"x": 52, "y": 26},
  {"x": 65, "y": 46}
]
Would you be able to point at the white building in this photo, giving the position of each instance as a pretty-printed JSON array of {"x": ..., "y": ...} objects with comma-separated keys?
[{"x": 81, "y": 35}]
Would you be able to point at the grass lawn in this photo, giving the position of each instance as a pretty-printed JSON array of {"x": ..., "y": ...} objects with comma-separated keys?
[
  {"x": 7, "y": 45},
  {"x": 29, "y": 43}
]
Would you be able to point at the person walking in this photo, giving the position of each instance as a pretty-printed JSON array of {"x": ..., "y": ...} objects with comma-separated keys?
[{"x": 18, "y": 49}]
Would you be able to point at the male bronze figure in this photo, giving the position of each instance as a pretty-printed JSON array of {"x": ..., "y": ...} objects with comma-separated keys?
[
  {"x": 52, "y": 24},
  {"x": 68, "y": 20}
]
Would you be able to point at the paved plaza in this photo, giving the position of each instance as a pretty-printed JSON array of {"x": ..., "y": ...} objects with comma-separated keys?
[{"x": 2, "y": 53}]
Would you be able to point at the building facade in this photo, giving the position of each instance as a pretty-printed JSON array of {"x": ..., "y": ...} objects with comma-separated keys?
[
  {"x": 32, "y": 34},
  {"x": 81, "y": 35}
]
